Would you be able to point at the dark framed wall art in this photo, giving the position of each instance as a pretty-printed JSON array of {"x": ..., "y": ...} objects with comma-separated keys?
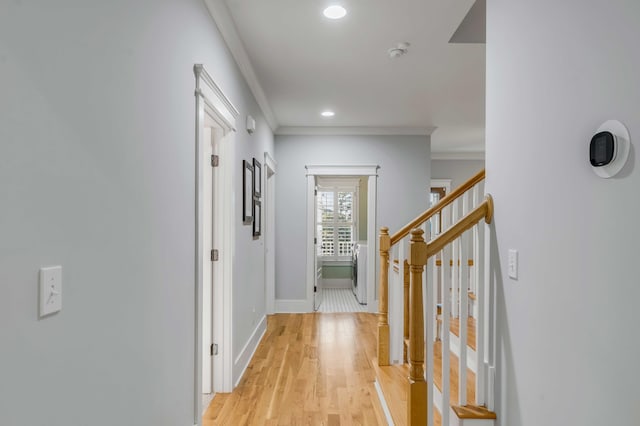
[
  {"x": 247, "y": 192},
  {"x": 257, "y": 179},
  {"x": 257, "y": 217}
]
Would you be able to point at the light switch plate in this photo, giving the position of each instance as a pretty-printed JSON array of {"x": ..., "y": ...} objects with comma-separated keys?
[
  {"x": 513, "y": 264},
  {"x": 50, "y": 290}
]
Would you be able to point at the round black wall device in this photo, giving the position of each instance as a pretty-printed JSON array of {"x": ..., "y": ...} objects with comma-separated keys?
[
  {"x": 602, "y": 149},
  {"x": 609, "y": 149}
]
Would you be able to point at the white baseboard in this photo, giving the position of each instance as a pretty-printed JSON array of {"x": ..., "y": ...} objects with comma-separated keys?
[
  {"x": 206, "y": 401},
  {"x": 383, "y": 402},
  {"x": 285, "y": 306},
  {"x": 242, "y": 361}
]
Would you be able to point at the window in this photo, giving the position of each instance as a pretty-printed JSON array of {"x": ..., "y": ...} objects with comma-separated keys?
[{"x": 335, "y": 223}]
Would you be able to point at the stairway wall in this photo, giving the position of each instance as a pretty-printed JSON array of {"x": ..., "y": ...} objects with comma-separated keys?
[{"x": 566, "y": 346}]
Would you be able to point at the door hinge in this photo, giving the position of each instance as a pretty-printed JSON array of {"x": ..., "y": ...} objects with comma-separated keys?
[
  {"x": 315, "y": 288},
  {"x": 214, "y": 255},
  {"x": 214, "y": 349},
  {"x": 315, "y": 240},
  {"x": 215, "y": 161}
]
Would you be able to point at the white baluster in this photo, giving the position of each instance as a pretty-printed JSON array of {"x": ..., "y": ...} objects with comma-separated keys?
[
  {"x": 446, "y": 256},
  {"x": 434, "y": 297},
  {"x": 464, "y": 291},
  {"x": 473, "y": 284},
  {"x": 488, "y": 306},
  {"x": 455, "y": 285},
  {"x": 479, "y": 267},
  {"x": 465, "y": 203}
]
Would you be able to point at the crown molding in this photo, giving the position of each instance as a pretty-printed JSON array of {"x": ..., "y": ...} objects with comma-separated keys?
[
  {"x": 354, "y": 131},
  {"x": 226, "y": 25},
  {"x": 458, "y": 155}
]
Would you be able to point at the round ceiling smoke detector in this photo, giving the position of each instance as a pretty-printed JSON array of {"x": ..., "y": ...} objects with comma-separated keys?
[{"x": 399, "y": 50}]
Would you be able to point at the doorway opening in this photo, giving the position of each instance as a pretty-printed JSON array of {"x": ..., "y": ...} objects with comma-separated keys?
[
  {"x": 331, "y": 237},
  {"x": 214, "y": 159},
  {"x": 341, "y": 240},
  {"x": 439, "y": 189}
]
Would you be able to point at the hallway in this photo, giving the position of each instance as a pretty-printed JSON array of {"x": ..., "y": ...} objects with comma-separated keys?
[{"x": 308, "y": 369}]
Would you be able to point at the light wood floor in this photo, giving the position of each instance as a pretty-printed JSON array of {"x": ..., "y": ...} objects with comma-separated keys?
[{"x": 309, "y": 369}]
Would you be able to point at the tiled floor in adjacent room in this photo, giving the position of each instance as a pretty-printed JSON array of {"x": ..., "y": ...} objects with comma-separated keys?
[{"x": 340, "y": 300}]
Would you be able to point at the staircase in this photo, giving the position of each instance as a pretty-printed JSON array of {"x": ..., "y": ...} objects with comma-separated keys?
[{"x": 438, "y": 283}]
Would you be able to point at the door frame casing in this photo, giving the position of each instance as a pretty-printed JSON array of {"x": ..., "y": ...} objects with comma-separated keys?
[
  {"x": 371, "y": 171},
  {"x": 269, "y": 260},
  {"x": 211, "y": 100},
  {"x": 441, "y": 183}
]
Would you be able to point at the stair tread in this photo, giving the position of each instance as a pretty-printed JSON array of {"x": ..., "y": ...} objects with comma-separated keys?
[
  {"x": 454, "y": 326},
  {"x": 473, "y": 412},
  {"x": 393, "y": 382},
  {"x": 453, "y": 376}
]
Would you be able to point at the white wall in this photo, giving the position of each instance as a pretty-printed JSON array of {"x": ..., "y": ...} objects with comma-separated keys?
[
  {"x": 567, "y": 328},
  {"x": 459, "y": 171},
  {"x": 97, "y": 118},
  {"x": 402, "y": 190}
]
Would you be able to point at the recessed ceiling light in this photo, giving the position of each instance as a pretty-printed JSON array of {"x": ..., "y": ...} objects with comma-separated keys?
[
  {"x": 327, "y": 113},
  {"x": 335, "y": 12}
]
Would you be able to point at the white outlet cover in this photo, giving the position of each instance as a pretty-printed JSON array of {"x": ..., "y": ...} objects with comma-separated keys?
[{"x": 50, "y": 290}]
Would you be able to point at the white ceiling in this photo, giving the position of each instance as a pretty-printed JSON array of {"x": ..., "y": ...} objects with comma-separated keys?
[{"x": 302, "y": 63}]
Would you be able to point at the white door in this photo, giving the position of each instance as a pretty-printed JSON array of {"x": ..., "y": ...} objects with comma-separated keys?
[
  {"x": 207, "y": 272},
  {"x": 317, "y": 268}
]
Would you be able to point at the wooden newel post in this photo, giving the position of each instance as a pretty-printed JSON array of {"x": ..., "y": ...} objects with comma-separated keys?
[
  {"x": 383, "y": 299},
  {"x": 406, "y": 276},
  {"x": 417, "y": 396}
]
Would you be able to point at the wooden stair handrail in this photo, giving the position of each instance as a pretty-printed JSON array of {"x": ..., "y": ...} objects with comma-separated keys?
[
  {"x": 484, "y": 210},
  {"x": 419, "y": 253},
  {"x": 448, "y": 199}
]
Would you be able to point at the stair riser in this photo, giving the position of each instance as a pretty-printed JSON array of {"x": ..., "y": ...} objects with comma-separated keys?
[
  {"x": 454, "y": 345},
  {"x": 455, "y": 421},
  {"x": 453, "y": 417}
]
